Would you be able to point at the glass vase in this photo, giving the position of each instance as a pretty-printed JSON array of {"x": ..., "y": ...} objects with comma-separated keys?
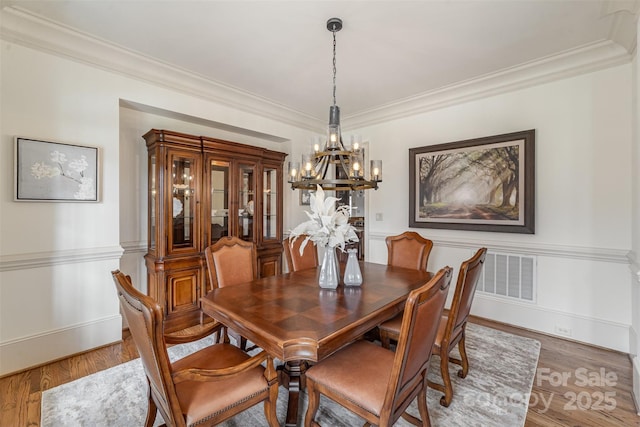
[
  {"x": 352, "y": 274},
  {"x": 329, "y": 274}
]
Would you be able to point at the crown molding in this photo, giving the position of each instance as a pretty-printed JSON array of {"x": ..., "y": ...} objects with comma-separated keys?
[
  {"x": 625, "y": 16},
  {"x": 585, "y": 59},
  {"x": 27, "y": 29},
  {"x": 22, "y": 27}
]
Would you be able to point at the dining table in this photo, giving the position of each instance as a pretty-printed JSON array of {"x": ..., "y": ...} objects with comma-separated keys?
[{"x": 296, "y": 321}]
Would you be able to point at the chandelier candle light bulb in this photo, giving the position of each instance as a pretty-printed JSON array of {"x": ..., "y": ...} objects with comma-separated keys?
[
  {"x": 376, "y": 170},
  {"x": 294, "y": 170},
  {"x": 307, "y": 165}
]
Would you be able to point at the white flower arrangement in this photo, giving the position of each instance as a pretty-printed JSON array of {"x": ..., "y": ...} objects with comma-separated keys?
[{"x": 327, "y": 225}]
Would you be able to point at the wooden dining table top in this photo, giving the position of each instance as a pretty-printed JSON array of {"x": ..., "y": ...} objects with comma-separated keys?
[{"x": 292, "y": 318}]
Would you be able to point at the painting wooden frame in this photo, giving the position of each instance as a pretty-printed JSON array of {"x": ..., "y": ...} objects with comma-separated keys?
[
  {"x": 462, "y": 185},
  {"x": 55, "y": 172}
]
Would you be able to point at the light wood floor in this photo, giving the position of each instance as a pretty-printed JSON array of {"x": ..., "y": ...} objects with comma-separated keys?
[{"x": 605, "y": 400}]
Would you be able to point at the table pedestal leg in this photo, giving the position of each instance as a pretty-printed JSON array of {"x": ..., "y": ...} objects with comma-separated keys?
[{"x": 292, "y": 377}]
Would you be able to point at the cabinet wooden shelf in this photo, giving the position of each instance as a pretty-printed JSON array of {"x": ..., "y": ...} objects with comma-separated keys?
[{"x": 201, "y": 189}]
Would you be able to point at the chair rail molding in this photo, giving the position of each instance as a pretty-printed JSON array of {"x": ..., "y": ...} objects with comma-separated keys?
[
  {"x": 134, "y": 247},
  {"x": 46, "y": 259},
  {"x": 551, "y": 250}
]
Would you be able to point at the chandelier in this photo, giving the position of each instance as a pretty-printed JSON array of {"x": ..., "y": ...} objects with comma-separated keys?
[{"x": 334, "y": 167}]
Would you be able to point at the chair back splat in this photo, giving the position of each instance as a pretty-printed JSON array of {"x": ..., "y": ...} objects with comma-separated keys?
[
  {"x": 408, "y": 250},
  {"x": 231, "y": 261},
  {"x": 297, "y": 262}
]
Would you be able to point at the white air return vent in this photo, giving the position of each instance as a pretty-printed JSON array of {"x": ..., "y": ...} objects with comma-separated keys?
[{"x": 509, "y": 275}]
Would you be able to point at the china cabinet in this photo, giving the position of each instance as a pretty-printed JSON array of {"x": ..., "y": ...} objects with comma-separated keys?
[{"x": 201, "y": 189}]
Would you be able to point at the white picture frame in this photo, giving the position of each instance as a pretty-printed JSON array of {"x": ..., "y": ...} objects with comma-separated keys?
[{"x": 54, "y": 172}]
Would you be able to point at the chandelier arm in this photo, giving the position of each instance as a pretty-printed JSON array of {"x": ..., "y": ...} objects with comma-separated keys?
[
  {"x": 344, "y": 162},
  {"x": 335, "y": 184},
  {"x": 323, "y": 167}
]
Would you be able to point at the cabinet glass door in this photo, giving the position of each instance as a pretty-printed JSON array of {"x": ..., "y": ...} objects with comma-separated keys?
[
  {"x": 219, "y": 212},
  {"x": 270, "y": 203},
  {"x": 246, "y": 202},
  {"x": 182, "y": 207}
]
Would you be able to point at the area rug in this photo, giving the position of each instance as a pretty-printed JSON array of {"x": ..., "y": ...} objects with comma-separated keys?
[{"x": 495, "y": 392}]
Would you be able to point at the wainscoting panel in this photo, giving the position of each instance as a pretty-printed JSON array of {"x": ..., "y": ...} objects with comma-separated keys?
[
  {"x": 55, "y": 304},
  {"x": 603, "y": 333},
  {"x": 554, "y": 289},
  {"x": 34, "y": 350}
]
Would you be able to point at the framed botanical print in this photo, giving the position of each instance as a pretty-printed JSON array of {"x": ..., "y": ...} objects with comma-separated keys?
[{"x": 55, "y": 172}]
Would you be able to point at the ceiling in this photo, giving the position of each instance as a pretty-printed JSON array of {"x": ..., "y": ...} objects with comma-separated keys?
[{"x": 387, "y": 51}]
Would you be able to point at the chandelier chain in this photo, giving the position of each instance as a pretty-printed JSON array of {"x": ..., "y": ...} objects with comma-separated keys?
[{"x": 334, "y": 67}]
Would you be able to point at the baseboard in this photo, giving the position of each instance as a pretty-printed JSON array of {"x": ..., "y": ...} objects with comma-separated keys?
[
  {"x": 584, "y": 329},
  {"x": 27, "y": 352}
]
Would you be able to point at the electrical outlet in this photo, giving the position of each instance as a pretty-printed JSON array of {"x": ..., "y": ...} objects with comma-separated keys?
[
  {"x": 378, "y": 216},
  {"x": 561, "y": 330}
]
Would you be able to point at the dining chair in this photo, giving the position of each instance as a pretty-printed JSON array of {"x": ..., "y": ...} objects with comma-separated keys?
[
  {"x": 231, "y": 261},
  {"x": 296, "y": 261},
  {"x": 408, "y": 250},
  {"x": 452, "y": 327},
  {"x": 208, "y": 386},
  {"x": 376, "y": 383}
]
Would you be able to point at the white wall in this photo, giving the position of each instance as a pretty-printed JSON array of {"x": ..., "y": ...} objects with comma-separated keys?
[
  {"x": 634, "y": 255},
  {"x": 583, "y": 199},
  {"x": 56, "y": 294}
]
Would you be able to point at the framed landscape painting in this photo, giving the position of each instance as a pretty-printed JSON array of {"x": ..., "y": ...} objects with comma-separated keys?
[
  {"x": 483, "y": 184},
  {"x": 55, "y": 172}
]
